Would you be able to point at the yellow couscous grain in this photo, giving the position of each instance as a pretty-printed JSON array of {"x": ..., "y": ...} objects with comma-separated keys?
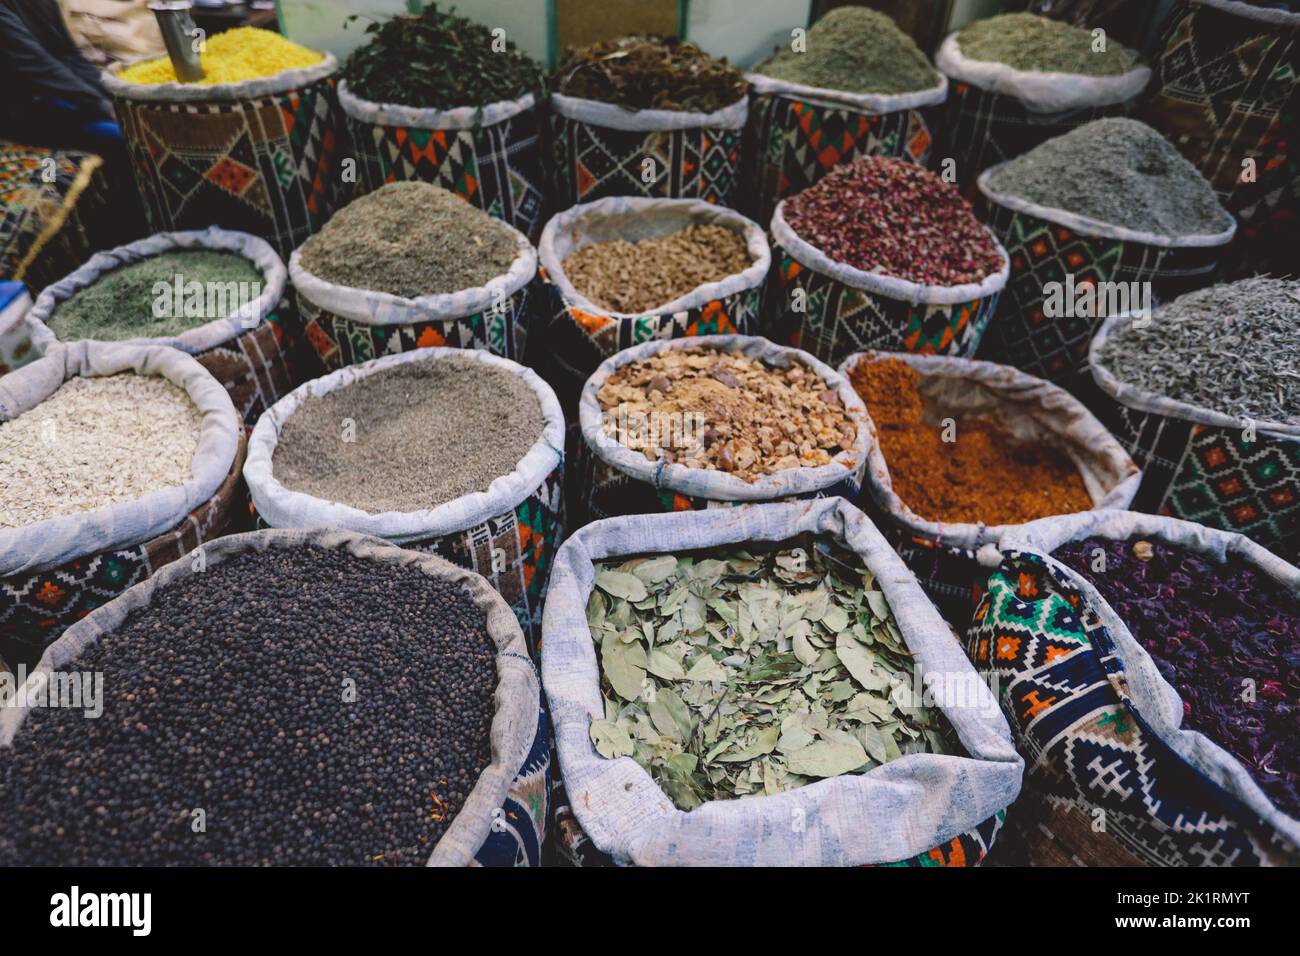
[{"x": 244, "y": 53}]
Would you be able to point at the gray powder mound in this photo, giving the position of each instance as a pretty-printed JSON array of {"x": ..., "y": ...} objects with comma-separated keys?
[
  {"x": 1120, "y": 172},
  {"x": 424, "y": 434}
]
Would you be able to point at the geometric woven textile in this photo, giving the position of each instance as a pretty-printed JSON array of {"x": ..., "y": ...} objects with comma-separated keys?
[
  {"x": 796, "y": 142},
  {"x": 36, "y": 608},
  {"x": 264, "y": 165},
  {"x": 1055, "y": 347},
  {"x": 822, "y": 315},
  {"x": 1117, "y": 793},
  {"x": 497, "y": 168},
  {"x": 518, "y": 835},
  {"x": 593, "y": 162}
]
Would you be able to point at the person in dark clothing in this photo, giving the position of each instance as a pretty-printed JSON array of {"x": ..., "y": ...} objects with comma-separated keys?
[{"x": 54, "y": 98}]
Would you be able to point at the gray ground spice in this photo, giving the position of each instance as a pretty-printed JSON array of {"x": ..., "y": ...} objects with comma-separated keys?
[
  {"x": 410, "y": 239},
  {"x": 1118, "y": 171},
  {"x": 639, "y": 276},
  {"x": 425, "y": 433},
  {"x": 119, "y": 305},
  {"x": 1026, "y": 41},
  {"x": 855, "y": 50},
  {"x": 1233, "y": 348}
]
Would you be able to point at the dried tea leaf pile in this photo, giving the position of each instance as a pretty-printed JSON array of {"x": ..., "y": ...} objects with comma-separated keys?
[
  {"x": 736, "y": 672},
  {"x": 640, "y": 276},
  {"x": 855, "y": 50},
  {"x": 1233, "y": 348},
  {"x": 438, "y": 60},
  {"x": 1037, "y": 44},
  {"x": 755, "y": 419},
  {"x": 650, "y": 73}
]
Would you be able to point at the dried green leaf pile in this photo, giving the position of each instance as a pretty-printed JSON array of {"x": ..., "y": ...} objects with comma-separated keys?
[{"x": 738, "y": 672}]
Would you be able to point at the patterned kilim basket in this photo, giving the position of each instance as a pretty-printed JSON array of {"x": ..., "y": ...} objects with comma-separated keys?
[
  {"x": 800, "y": 133},
  {"x": 616, "y": 480},
  {"x": 1227, "y": 90},
  {"x": 55, "y": 572},
  {"x": 1051, "y": 248},
  {"x": 996, "y": 112},
  {"x": 508, "y": 533},
  {"x": 604, "y": 150},
  {"x": 504, "y": 818},
  {"x": 1111, "y": 777},
  {"x": 491, "y": 157},
  {"x": 1197, "y": 464},
  {"x": 832, "y": 310},
  {"x": 923, "y": 811},
  {"x": 247, "y": 349},
  {"x": 257, "y": 156},
  {"x": 348, "y": 326},
  {"x": 582, "y": 334},
  {"x": 15, "y": 333},
  {"x": 47, "y": 228},
  {"x": 945, "y": 556}
]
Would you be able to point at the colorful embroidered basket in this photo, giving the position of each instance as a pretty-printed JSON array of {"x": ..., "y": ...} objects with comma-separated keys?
[
  {"x": 800, "y": 133},
  {"x": 491, "y": 157},
  {"x": 832, "y": 310},
  {"x": 1197, "y": 464},
  {"x": 258, "y": 156},
  {"x": 1112, "y": 778},
  {"x": 507, "y": 533},
  {"x": 1054, "y": 248},
  {"x": 604, "y": 150}
]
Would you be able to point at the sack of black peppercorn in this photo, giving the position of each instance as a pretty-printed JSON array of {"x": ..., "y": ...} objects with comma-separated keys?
[{"x": 1117, "y": 774}]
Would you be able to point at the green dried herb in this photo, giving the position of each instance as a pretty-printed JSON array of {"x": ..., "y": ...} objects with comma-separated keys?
[
  {"x": 439, "y": 61},
  {"x": 744, "y": 672},
  {"x": 855, "y": 50},
  {"x": 650, "y": 73},
  {"x": 1027, "y": 41}
]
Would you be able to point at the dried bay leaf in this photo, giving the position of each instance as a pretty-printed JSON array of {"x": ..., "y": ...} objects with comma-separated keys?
[
  {"x": 610, "y": 739},
  {"x": 827, "y": 758},
  {"x": 624, "y": 666},
  {"x": 621, "y": 584}
]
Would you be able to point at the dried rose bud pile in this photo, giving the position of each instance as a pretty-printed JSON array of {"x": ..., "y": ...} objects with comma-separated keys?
[
  {"x": 893, "y": 217},
  {"x": 756, "y": 419}
]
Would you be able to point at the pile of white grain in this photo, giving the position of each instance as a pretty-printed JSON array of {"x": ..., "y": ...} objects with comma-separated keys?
[{"x": 95, "y": 442}]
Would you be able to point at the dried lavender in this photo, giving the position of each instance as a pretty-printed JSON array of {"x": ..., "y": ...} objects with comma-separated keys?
[
  {"x": 1117, "y": 171},
  {"x": 1027, "y": 41},
  {"x": 1213, "y": 630},
  {"x": 1232, "y": 348},
  {"x": 410, "y": 239},
  {"x": 891, "y": 216},
  {"x": 224, "y": 697},
  {"x": 855, "y": 50}
]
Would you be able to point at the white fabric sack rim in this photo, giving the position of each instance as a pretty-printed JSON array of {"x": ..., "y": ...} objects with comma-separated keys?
[
  {"x": 282, "y": 507},
  {"x": 416, "y": 117},
  {"x": 1045, "y": 91},
  {"x": 56, "y": 541},
  {"x": 173, "y": 91},
  {"x": 370, "y": 307},
  {"x": 1251, "y": 12},
  {"x": 201, "y": 337},
  {"x": 611, "y": 116},
  {"x": 878, "y": 283},
  {"x": 517, "y": 694},
  {"x": 719, "y": 485},
  {"x": 1095, "y": 227},
  {"x": 693, "y": 211},
  {"x": 1070, "y": 415},
  {"x": 1153, "y": 697},
  {"x": 1133, "y": 396},
  {"x": 638, "y": 823},
  {"x": 872, "y": 103}
]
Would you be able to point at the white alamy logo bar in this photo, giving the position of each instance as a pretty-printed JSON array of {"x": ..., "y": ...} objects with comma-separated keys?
[
  {"x": 65, "y": 690},
  {"x": 76, "y": 909},
  {"x": 1087, "y": 299}
]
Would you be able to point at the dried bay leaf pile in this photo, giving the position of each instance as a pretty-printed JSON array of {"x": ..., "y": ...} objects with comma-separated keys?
[{"x": 741, "y": 672}]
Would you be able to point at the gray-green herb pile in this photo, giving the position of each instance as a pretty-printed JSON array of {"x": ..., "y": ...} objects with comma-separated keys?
[
  {"x": 738, "y": 672},
  {"x": 1232, "y": 348},
  {"x": 421, "y": 434},
  {"x": 1117, "y": 171},
  {"x": 855, "y": 50},
  {"x": 120, "y": 303},
  {"x": 410, "y": 239},
  {"x": 1037, "y": 44}
]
